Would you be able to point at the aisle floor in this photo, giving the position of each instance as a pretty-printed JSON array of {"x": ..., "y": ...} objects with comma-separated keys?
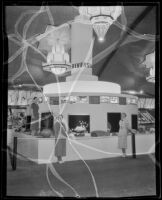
[{"x": 114, "y": 177}]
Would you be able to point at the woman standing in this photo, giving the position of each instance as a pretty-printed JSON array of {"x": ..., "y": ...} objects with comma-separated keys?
[
  {"x": 123, "y": 132},
  {"x": 60, "y": 130}
]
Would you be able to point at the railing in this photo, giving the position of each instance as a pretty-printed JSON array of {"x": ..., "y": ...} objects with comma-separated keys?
[{"x": 13, "y": 154}]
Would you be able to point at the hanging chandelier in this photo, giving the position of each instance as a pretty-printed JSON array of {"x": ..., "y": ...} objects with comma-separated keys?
[
  {"x": 52, "y": 35},
  {"x": 150, "y": 64},
  {"x": 101, "y": 17},
  {"x": 57, "y": 60}
]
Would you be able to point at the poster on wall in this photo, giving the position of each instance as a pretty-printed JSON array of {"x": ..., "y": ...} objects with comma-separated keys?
[
  {"x": 21, "y": 97},
  {"x": 22, "y": 100},
  {"x": 13, "y": 97}
]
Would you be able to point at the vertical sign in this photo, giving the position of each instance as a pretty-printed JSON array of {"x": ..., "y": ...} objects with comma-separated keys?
[{"x": 81, "y": 38}]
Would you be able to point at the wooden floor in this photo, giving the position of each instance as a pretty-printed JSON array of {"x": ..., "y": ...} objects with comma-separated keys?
[{"x": 114, "y": 177}]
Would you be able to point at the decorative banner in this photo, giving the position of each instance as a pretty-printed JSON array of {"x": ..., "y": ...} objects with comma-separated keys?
[
  {"x": 22, "y": 97},
  {"x": 13, "y": 97},
  {"x": 122, "y": 101},
  {"x": 146, "y": 103},
  {"x": 22, "y": 100}
]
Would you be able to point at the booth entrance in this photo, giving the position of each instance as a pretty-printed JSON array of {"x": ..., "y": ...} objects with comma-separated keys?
[
  {"x": 47, "y": 121},
  {"x": 113, "y": 119},
  {"x": 134, "y": 119},
  {"x": 75, "y": 120}
]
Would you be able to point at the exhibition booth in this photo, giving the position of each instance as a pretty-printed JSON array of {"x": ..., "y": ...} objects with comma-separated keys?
[
  {"x": 92, "y": 112},
  {"x": 91, "y": 108}
]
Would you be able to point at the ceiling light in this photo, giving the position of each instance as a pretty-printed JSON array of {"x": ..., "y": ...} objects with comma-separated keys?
[
  {"x": 101, "y": 17},
  {"x": 129, "y": 92},
  {"x": 150, "y": 64},
  {"x": 57, "y": 60},
  {"x": 58, "y": 69},
  {"x": 101, "y": 39},
  {"x": 132, "y": 92}
]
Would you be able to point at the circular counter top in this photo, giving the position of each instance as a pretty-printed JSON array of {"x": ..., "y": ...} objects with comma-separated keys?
[{"x": 85, "y": 87}]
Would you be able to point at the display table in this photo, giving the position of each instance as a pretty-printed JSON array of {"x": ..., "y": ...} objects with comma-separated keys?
[{"x": 41, "y": 150}]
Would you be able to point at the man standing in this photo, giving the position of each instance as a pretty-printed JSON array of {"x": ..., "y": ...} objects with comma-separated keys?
[
  {"x": 34, "y": 116},
  {"x": 60, "y": 130},
  {"x": 28, "y": 117}
]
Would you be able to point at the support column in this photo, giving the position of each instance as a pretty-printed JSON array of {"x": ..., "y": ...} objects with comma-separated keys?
[{"x": 81, "y": 38}]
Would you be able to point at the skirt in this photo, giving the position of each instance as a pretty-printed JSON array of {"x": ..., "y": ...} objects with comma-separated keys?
[
  {"x": 28, "y": 121},
  {"x": 122, "y": 140},
  {"x": 34, "y": 126},
  {"x": 60, "y": 147}
]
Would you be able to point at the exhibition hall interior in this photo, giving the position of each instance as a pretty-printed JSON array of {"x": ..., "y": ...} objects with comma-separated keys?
[{"x": 81, "y": 100}]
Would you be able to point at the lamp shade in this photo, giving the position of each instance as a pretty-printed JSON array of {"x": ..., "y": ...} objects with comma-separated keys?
[
  {"x": 52, "y": 35},
  {"x": 57, "y": 60},
  {"x": 101, "y": 17},
  {"x": 150, "y": 64}
]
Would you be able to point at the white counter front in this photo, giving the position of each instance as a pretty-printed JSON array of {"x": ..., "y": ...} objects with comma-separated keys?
[{"x": 41, "y": 150}]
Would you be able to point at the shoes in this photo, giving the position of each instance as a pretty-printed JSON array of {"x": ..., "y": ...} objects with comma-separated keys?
[{"x": 124, "y": 155}]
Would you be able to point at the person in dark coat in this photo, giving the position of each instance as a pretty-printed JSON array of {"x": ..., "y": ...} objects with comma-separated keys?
[
  {"x": 34, "y": 116},
  {"x": 60, "y": 130},
  {"x": 28, "y": 117}
]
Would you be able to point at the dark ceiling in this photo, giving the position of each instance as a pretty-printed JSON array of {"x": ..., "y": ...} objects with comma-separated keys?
[{"x": 122, "y": 65}]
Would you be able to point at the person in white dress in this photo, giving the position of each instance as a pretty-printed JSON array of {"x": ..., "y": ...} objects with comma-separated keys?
[
  {"x": 60, "y": 130},
  {"x": 123, "y": 132}
]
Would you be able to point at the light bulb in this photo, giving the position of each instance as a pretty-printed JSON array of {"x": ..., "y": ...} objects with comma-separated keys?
[
  {"x": 101, "y": 39},
  {"x": 58, "y": 71}
]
